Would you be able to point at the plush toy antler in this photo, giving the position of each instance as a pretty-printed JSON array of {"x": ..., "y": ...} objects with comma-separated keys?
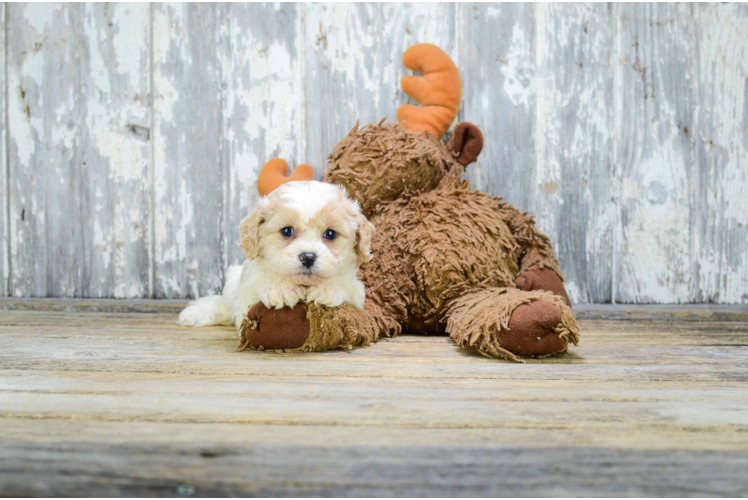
[
  {"x": 274, "y": 173},
  {"x": 439, "y": 90}
]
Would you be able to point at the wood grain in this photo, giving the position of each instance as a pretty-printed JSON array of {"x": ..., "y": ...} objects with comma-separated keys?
[
  {"x": 654, "y": 106},
  {"x": 4, "y": 195},
  {"x": 115, "y": 156},
  {"x": 497, "y": 64},
  {"x": 79, "y": 156},
  {"x": 720, "y": 206},
  {"x": 574, "y": 173},
  {"x": 637, "y": 312},
  {"x": 263, "y": 105},
  {"x": 241, "y": 467},
  {"x": 128, "y": 403},
  {"x": 134, "y": 134},
  {"x": 188, "y": 163},
  {"x": 47, "y": 181},
  {"x": 350, "y": 75}
]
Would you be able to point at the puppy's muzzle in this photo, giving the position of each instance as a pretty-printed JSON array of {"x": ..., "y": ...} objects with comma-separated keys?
[{"x": 307, "y": 259}]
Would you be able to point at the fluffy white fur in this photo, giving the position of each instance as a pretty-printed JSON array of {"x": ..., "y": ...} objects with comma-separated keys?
[{"x": 274, "y": 273}]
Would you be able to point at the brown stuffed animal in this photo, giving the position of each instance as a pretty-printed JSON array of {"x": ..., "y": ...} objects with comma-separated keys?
[{"x": 447, "y": 259}]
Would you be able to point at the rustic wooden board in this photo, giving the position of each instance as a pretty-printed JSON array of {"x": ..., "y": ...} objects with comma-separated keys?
[
  {"x": 115, "y": 152},
  {"x": 453, "y": 405},
  {"x": 118, "y": 403},
  {"x": 720, "y": 207},
  {"x": 135, "y": 353},
  {"x": 655, "y": 152},
  {"x": 540, "y": 94},
  {"x": 626, "y": 334},
  {"x": 47, "y": 183},
  {"x": 188, "y": 164},
  {"x": 353, "y": 64},
  {"x": 497, "y": 64},
  {"x": 4, "y": 196},
  {"x": 79, "y": 137},
  {"x": 574, "y": 171},
  {"x": 239, "y": 466},
  {"x": 637, "y": 312},
  {"x": 263, "y": 105}
]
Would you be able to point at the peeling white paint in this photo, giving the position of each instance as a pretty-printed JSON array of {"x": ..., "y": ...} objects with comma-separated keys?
[
  {"x": 519, "y": 80},
  {"x": 41, "y": 15},
  {"x": 656, "y": 246},
  {"x": 351, "y": 74},
  {"x": 723, "y": 71},
  {"x": 125, "y": 156},
  {"x": 24, "y": 124},
  {"x": 23, "y": 127},
  {"x": 132, "y": 26},
  {"x": 493, "y": 11},
  {"x": 657, "y": 224},
  {"x": 556, "y": 89},
  {"x": 4, "y": 195}
]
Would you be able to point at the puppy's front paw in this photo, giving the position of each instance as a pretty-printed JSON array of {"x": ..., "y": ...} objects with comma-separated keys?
[
  {"x": 280, "y": 295},
  {"x": 323, "y": 295},
  {"x": 196, "y": 315}
]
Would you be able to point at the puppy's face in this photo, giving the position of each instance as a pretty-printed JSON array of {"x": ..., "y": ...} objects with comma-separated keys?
[{"x": 307, "y": 231}]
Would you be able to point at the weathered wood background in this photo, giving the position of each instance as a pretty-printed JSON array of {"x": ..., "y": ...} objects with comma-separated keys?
[{"x": 132, "y": 134}]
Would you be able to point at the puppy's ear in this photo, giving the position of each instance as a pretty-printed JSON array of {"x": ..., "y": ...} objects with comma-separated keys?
[
  {"x": 363, "y": 239},
  {"x": 249, "y": 231}
]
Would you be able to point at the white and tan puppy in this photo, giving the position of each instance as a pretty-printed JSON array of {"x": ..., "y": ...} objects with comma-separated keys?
[{"x": 305, "y": 242}]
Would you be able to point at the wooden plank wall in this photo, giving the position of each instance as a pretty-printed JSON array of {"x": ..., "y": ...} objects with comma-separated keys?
[
  {"x": 4, "y": 239},
  {"x": 132, "y": 134}
]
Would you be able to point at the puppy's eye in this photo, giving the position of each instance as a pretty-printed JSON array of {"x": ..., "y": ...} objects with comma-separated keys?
[
  {"x": 330, "y": 235},
  {"x": 287, "y": 231}
]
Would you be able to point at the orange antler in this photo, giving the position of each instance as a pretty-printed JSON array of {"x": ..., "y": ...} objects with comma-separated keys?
[
  {"x": 439, "y": 90},
  {"x": 274, "y": 172}
]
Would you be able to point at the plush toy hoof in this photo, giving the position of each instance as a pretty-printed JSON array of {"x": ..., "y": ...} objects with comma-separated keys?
[
  {"x": 264, "y": 328},
  {"x": 542, "y": 279},
  {"x": 533, "y": 330}
]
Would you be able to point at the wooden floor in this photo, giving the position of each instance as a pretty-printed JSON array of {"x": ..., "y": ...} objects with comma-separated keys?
[{"x": 117, "y": 403}]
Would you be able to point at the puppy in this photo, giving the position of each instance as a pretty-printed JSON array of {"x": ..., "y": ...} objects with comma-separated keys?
[{"x": 305, "y": 242}]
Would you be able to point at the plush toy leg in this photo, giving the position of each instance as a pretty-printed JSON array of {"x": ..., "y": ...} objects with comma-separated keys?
[
  {"x": 542, "y": 279},
  {"x": 307, "y": 327},
  {"x": 263, "y": 328},
  {"x": 339, "y": 327},
  {"x": 507, "y": 323}
]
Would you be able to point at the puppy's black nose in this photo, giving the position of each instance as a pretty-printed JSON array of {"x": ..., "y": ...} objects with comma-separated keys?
[{"x": 307, "y": 259}]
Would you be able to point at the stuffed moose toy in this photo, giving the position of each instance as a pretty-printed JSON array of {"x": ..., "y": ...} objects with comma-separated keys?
[{"x": 447, "y": 259}]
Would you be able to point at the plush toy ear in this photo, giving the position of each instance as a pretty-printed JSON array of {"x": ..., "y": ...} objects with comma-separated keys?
[
  {"x": 363, "y": 239},
  {"x": 249, "y": 231},
  {"x": 467, "y": 140},
  {"x": 274, "y": 173}
]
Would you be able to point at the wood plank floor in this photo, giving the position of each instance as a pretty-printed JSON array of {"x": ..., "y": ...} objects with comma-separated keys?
[{"x": 120, "y": 403}]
